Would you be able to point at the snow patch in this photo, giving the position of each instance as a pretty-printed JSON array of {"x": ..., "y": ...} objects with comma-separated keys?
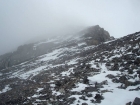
[
  {"x": 79, "y": 87},
  {"x": 67, "y": 73},
  {"x": 7, "y": 88},
  {"x": 81, "y": 44},
  {"x": 73, "y": 61}
]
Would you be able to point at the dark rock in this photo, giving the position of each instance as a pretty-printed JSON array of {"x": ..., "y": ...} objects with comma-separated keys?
[
  {"x": 98, "y": 85},
  {"x": 58, "y": 83},
  {"x": 92, "y": 101},
  {"x": 129, "y": 62},
  {"x": 104, "y": 72},
  {"x": 108, "y": 64},
  {"x": 105, "y": 82},
  {"x": 60, "y": 96},
  {"x": 83, "y": 98},
  {"x": 90, "y": 89},
  {"x": 122, "y": 79},
  {"x": 137, "y": 61},
  {"x": 115, "y": 67},
  {"x": 84, "y": 104},
  {"x": 136, "y": 89},
  {"x": 71, "y": 100},
  {"x": 98, "y": 35},
  {"x": 134, "y": 67},
  {"x": 98, "y": 97},
  {"x": 89, "y": 95},
  {"x": 127, "y": 83},
  {"x": 129, "y": 103},
  {"x": 19, "y": 100},
  {"x": 85, "y": 80},
  {"x": 136, "y": 101},
  {"x": 130, "y": 71},
  {"x": 138, "y": 71},
  {"x": 115, "y": 80},
  {"x": 110, "y": 76},
  {"x": 136, "y": 83}
]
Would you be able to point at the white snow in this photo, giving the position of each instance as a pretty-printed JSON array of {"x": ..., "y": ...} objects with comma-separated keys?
[
  {"x": 52, "y": 55},
  {"x": 119, "y": 97},
  {"x": 81, "y": 101},
  {"x": 7, "y": 88},
  {"x": 35, "y": 95},
  {"x": 56, "y": 53},
  {"x": 117, "y": 55},
  {"x": 43, "y": 42},
  {"x": 93, "y": 65},
  {"x": 29, "y": 70},
  {"x": 56, "y": 93},
  {"x": 89, "y": 47},
  {"x": 81, "y": 44},
  {"x": 32, "y": 72},
  {"x": 79, "y": 87},
  {"x": 73, "y": 61},
  {"x": 102, "y": 76},
  {"x": 67, "y": 73},
  {"x": 39, "y": 89},
  {"x": 110, "y": 41},
  {"x": 0, "y": 74},
  {"x": 52, "y": 85},
  {"x": 116, "y": 97}
]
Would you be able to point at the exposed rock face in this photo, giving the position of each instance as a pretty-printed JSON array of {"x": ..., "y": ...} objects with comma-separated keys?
[
  {"x": 136, "y": 101},
  {"x": 98, "y": 35},
  {"x": 24, "y": 53}
]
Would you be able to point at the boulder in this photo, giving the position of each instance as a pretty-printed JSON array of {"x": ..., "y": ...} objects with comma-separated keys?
[
  {"x": 89, "y": 95},
  {"x": 138, "y": 71},
  {"x": 129, "y": 103},
  {"x": 98, "y": 98},
  {"x": 136, "y": 101},
  {"x": 137, "y": 61},
  {"x": 71, "y": 100},
  {"x": 122, "y": 79},
  {"x": 85, "y": 80},
  {"x": 58, "y": 84},
  {"x": 110, "y": 76},
  {"x": 84, "y": 104},
  {"x": 83, "y": 98},
  {"x": 90, "y": 89}
]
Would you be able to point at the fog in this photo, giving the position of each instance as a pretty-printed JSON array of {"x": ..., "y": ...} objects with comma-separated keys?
[{"x": 25, "y": 20}]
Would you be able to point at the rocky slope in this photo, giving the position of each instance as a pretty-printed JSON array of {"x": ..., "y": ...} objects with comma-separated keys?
[
  {"x": 91, "y": 35},
  {"x": 80, "y": 70}
]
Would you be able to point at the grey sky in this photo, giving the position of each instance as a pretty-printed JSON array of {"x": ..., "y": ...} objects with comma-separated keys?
[{"x": 22, "y": 20}]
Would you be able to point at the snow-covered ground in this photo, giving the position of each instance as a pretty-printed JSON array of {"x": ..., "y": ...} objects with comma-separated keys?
[{"x": 116, "y": 96}]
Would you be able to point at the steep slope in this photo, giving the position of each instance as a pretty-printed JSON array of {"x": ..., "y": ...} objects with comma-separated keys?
[
  {"x": 76, "y": 73},
  {"x": 33, "y": 50}
]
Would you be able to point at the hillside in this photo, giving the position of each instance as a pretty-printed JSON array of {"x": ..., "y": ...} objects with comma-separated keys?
[
  {"x": 33, "y": 50},
  {"x": 90, "y": 67}
]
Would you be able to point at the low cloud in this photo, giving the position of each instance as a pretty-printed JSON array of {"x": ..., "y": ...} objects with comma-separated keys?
[{"x": 21, "y": 21}]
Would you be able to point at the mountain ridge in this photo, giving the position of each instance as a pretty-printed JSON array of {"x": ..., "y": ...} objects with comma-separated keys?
[{"x": 30, "y": 51}]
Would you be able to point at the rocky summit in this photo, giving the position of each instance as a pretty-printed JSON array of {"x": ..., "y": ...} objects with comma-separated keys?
[{"x": 86, "y": 68}]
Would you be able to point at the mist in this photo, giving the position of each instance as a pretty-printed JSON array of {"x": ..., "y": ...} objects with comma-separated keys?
[{"x": 26, "y": 20}]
